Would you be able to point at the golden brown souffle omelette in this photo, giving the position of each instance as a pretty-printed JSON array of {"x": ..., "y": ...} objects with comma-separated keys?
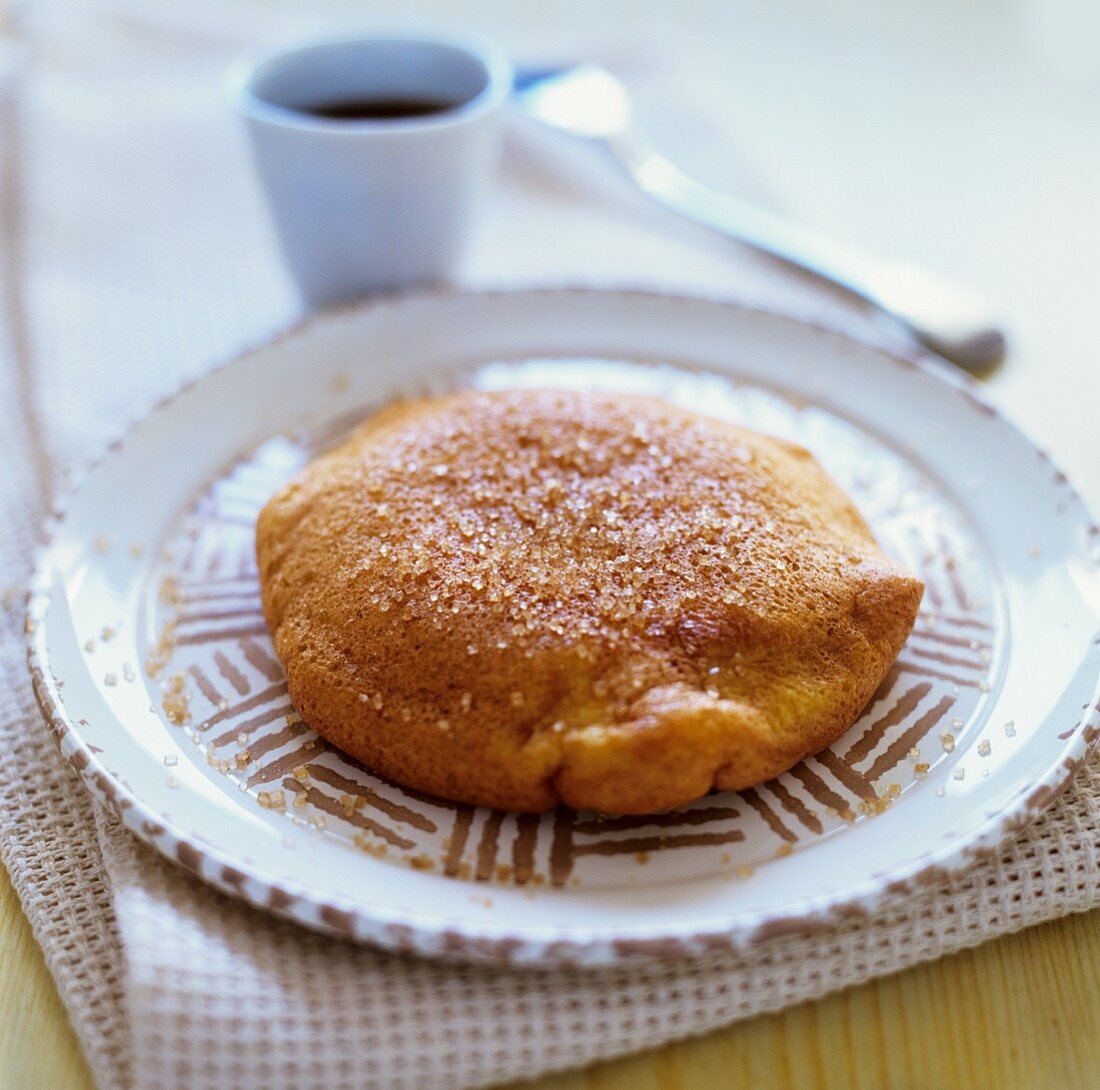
[{"x": 534, "y": 597}]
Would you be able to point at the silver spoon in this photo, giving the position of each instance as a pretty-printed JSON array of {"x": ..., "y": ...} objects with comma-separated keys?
[{"x": 588, "y": 101}]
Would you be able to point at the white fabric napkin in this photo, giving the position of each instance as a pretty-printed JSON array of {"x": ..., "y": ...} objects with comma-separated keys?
[{"x": 135, "y": 253}]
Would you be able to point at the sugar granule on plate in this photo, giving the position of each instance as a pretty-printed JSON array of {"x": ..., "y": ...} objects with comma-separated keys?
[{"x": 176, "y": 700}]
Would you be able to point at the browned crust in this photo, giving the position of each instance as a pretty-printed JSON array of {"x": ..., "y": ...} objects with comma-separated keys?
[{"x": 657, "y": 603}]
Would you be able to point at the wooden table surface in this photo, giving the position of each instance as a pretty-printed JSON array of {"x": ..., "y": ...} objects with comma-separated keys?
[{"x": 963, "y": 136}]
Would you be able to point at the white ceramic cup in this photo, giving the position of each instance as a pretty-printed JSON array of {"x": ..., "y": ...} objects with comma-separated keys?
[{"x": 367, "y": 205}]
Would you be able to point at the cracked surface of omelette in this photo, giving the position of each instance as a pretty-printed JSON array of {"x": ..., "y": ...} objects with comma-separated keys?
[{"x": 525, "y": 598}]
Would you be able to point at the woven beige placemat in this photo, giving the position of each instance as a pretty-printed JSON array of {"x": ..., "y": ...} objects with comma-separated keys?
[{"x": 134, "y": 253}]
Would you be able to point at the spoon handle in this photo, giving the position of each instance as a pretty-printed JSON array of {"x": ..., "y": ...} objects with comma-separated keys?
[{"x": 948, "y": 319}]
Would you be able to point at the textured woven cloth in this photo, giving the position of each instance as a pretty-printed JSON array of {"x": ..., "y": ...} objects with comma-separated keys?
[{"x": 134, "y": 254}]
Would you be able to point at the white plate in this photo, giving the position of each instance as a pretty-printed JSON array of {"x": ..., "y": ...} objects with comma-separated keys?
[{"x": 990, "y": 708}]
